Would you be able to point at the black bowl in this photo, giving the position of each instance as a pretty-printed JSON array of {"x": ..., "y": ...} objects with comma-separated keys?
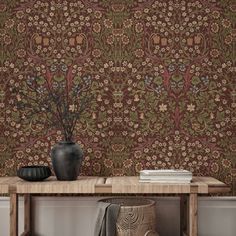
[{"x": 34, "y": 173}]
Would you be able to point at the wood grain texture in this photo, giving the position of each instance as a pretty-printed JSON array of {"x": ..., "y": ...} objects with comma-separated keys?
[
  {"x": 112, "y": 185},
  {"x": 202, "y": 185},
  {"x": 51, "y": 185},
  {"x": 209, "y": 185},
  {"x": 125, "y": 184},
  {"x": 225, "y": 189},
  {"x": 13, "y": 214},
  {"x": 193, "y": 214},
  {"x": 27, "y": 213},
  {"x": 4, "y": 188},
  {"x": 103, "y": 188},
  {"x": 136, "y": 220},
  {"x": 6, "y": 183},
  {"x": 210, "y": 181},
  {"x": 131, "y": 184}
]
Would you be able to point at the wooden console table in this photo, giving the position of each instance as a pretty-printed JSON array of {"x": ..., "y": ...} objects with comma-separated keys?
[{"x": 109, "y": 186}]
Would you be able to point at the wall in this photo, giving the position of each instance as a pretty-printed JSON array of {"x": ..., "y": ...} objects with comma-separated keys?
[
  {"x": 160, "y": 72},
  {"x": 75, "y": 216}
]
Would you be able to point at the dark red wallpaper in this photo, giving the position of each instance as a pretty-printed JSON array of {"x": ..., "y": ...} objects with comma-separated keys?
[{"x": 162, "y": 75}]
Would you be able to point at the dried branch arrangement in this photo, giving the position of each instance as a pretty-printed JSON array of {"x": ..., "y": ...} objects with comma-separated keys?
[{"x": 58, "y": 100}]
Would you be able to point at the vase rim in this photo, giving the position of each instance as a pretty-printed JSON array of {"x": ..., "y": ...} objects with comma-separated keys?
[{"x": 66, "y": 142}]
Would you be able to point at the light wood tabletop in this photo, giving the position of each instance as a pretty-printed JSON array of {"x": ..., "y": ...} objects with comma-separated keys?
[
  {"x": 119, "y": 185},
  {"x": 111, "y": 186},
  {"x": 84, "y": 185},
  {"x": 131, "y": 185}
]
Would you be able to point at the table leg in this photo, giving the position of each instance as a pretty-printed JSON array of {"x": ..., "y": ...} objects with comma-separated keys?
[
  {"x": 192, "y": 212},
  {"x": 27, "y": 214},
  {"x": 13, "y": 214},
  {"x": 183, "y": 215}
]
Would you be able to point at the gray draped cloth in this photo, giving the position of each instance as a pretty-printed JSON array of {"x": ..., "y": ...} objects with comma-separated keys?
[{"x": 106, "y": 219}]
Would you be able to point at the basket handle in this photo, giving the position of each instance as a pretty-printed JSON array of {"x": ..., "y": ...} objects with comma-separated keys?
[{"x": 154, "y": 233}]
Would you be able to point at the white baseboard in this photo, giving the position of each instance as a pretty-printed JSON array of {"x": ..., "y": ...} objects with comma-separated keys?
[{"x": 74, "y": 216}]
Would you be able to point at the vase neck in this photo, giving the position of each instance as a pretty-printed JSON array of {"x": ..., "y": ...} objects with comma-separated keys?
[{"x": 66, "y": 142}]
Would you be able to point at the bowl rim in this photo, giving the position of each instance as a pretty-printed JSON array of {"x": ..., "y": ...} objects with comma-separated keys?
[{"x": 34, "y": 167}]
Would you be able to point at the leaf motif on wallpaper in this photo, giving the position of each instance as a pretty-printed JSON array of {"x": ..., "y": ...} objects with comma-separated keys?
[{"x": 163, "y": 79}]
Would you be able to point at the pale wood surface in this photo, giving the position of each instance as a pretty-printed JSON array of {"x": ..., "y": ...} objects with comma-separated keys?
[
  {"x": 6, "y": 182},
  {"x": 124, "y": 184},
  {"x": 209, "y": 185},
  {"x": 112, "y": 185},
  {"x": 131, "y": 184},
  {"x": 51, "y": 185},
  {"x": 208, "y": 180},
  {"x": 193, "y": 212},
  {"x": 103, "y": 188},
  {"x": 13, "y": 214},
  {"x": 201, "y": 183}
]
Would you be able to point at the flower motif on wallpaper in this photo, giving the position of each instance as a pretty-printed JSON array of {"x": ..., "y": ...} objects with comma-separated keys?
[
  {"x": 55, "y": 102},
  {"x": 162, "y": 107},
  {"x": 56, "y": 38},
  {"x": 162, "y": 77},
  {"x": 191, "y": 107}
]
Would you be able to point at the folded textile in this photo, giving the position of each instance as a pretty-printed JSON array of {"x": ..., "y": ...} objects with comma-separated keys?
[
  {"x": 102, "y": 207},
  {"x": 106, "y": 219},
  {"x": 111, "y": 219}
]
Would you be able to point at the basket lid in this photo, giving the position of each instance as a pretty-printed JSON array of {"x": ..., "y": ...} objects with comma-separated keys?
[{"x": 129, "y": 202}]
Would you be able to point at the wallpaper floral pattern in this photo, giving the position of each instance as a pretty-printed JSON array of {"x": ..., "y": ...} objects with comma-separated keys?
[{"x": 161, "y": 72}]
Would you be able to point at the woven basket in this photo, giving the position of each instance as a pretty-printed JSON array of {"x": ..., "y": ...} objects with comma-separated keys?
[{"x": 137, "y": 217}]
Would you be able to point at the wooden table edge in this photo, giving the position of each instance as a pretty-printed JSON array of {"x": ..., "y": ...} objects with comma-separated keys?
[{"x": 103, "y": 186}]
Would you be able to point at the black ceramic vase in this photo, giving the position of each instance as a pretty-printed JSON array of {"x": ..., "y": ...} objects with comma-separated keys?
[{"x": 66, "y": 160}]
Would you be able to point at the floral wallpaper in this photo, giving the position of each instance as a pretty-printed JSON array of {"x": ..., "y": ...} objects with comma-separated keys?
[{"x": 162, "y": 75}]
